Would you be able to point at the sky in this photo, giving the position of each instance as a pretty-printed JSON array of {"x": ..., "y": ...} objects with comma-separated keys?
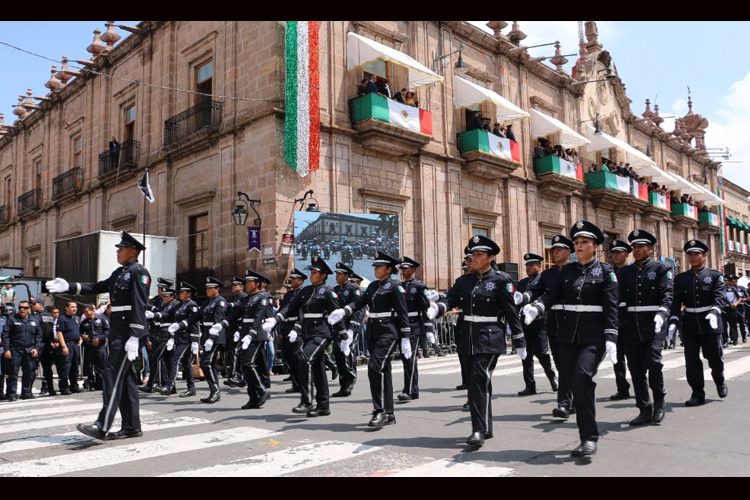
[{"x": 655, "y": 59}]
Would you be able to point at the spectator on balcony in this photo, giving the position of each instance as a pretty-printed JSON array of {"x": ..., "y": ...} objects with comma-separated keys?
[
  {"x": 371, "y": 87},
  {"x": 684, "y": 198},
  {"x": 362, "y": 88},
  {"x": 400, "y": 95},
  {"x": 593, "y": 168},
  {"x": 410, "y": 99},
  {"x": 542, "y": 148},
  {"x": 476, "y": 121},
  {"x": 509, "y": 133},
  {"x": 497, "y": 130},
  {"x": 557, "y": 150},
  {"x": 114, "y": 152},
  {"x": 605, "y": 167},
  {"x": 486, "y": 124},
  {"x": 673, "y": 197},
  {"x": 385, "y": 89}
]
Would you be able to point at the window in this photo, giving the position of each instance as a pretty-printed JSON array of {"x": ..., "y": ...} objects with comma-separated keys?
[
  {"x": 548, "y": 262},
  {"x": 481, "y": 231},
  {"x": 332, "y": 228},
  {"x": 198, "y": 241},
  {"x": 204, "y": 84},
  {"x": 130, "y": 115},
  {"x": 37, "y": 169},
  {"x": 363, "y": 230},
  {"x": 8, "y": 195},
  {"x": 77, "y": 148}
]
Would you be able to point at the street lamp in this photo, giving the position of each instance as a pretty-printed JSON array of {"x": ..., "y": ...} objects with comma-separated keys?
[
  {"x": 311, "y": 207},
  {"x": 461, "y": 67},
  {"x": 241, "y": 206}
]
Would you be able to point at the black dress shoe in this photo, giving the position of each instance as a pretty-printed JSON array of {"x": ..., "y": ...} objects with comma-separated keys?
[
  {"x": 301, "y": 408},
  {"x": 341, "y": 394},
  {"x": 476, "y": 439},
  {"x": 404, "y": 397},
  {"x": 229, "y": 382},
  {"x": 292, "y": 389},
  {"x": 553, "y": 383},
  {"x": 174, "y": 390},
  {"x": 695, "y": 401},
  {"x": 266, "y": 395},
  {"x": 164, "y": 391},
  {"x": 75, "y": 390},
  {"x": 561, "y": 412},
  {"x": 52, "y": 393},
  {"x": 722, "y": 390},
  {"x": 212, "y": 398},
  {"x": 334, "y": 373},
  {"x": 28, "y": 396},
  {"x": 488, "y": 435},
  {"x": 188, "y": 393},
  {"x": 658, "y": 412},
  {"x": 572, "y": 410},
  {"x": 462, "y": 387},
  {"x": 619, "y": 396},
  {"x": 466, "y": 406},
  {"x": 12, "y": 398},
  {"x": 644, "y": 418},
  {"x": 318, "y": 412},
  {"x": 529, "y": 391},
  {"x": 145, "y": 388},
  {"x": 381, "y": 419},
  {"x": 123, "y": 434},
  {"x": 65, "y": 392},
  {"x": 92, "y": 430},
  {"x": 584, "y": 449}
]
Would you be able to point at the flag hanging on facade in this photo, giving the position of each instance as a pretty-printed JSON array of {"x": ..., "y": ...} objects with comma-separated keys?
[
  {"x": 302, "y": 119},
  {"x": 145, "y": 187}
]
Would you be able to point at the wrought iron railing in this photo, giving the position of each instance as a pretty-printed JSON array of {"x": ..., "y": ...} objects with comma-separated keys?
[
  {"x": 67, "y": 183},
  {"x": 203, "y": 116},
  {"x": 29, "y": 202},
  {"x": 127, "y": 159}
]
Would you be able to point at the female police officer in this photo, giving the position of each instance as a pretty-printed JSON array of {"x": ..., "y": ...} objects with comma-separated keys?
[{"x": 586, "y": 300}]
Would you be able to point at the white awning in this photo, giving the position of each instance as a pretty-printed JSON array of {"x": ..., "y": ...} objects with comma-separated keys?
[
  {"x": 699, "y": 193},
  {"x": 542, "y": 125},
  {"x": 467, "y": 94},
  {"x": 658, "y": 175},
  {"x": 688, "y": 187},
  {"x": 606, "y": 141},
  {"x": 361, "y": 50}
]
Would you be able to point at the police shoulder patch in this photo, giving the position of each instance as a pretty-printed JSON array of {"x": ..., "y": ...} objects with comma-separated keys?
[
  {"x": 670, "y": 275},
  {"x": 721, "y": 278},
  {"x": 221, "y": 303},
  {"x": 613, "y": 277},
  {"x": 401, "y": 289},
  {"x": 334, "y": 294},
  {"x": 195, "y": 309},
  {"x": 509, "y": 288},
  {"x": 32, "y": 323}
]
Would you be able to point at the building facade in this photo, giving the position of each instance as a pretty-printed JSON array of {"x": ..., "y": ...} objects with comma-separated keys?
[
  {"x": 60, "y": 181},
  {"x": 736, "y": 228}
]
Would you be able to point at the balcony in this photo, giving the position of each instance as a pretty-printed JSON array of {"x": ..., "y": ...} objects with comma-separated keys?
[
  {"x": 487, "y": 155},
  {"x": 196, "y": 123},
  {"x": 685, "y": 214},
  {"x": 709, "y": 222},
  {"x": 128, "y": 159},
  {"x": 738, "y": 250},
  {"x": 67, "y": 184},
  {"x": 389, "y": 127},
  {"x": 558, "y": 177},
  {"x": 29, "y": 202},
  {"x": 659, "y": 206},
  {"x": 614, "y": 192}
]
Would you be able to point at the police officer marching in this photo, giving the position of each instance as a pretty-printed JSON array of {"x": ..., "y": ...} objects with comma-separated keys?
[
  {"x": 619, "y": 251},
  {"x": 701, "y": 291},
  {"x": 290, "y": 350},
  {"x": 22, "y": 340},
  {"x": 586, "y": 296},
  {"x": 645, "y": 302},
  {"x": 485, "y": 297},
  {"x": 128, "y": 290},
  {"x": 252, "y": 340},
  {"x": 235, "y": 312},
  {"x": 214, "y": 326},
  {"x": 345, "y": 360},
  {"x": 184, "y": 337},
  {"x": 160, "y": 359},
  {"x": 733, "y": 317}
]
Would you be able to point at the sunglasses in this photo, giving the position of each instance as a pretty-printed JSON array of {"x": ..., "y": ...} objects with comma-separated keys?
[{"x": 24, "y": 307}]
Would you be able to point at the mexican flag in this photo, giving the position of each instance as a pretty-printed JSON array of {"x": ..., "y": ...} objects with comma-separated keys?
[
  {"x": 623, "y": 184},
  {"x": 302, "y": 118},
  {"x": 568, "y": 169},
  {"x": 504, "y": 148},
  {"x": 409, "y": 117}
]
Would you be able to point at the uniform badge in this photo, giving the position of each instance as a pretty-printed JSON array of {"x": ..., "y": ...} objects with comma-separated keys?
[
  {"x": 692, "y": 243},
  {"x": 707, "y": 279},
  {"x": 475, "y": 239},
  {"x": 636, "y": 233},
  {"x": 315, "y": 259},
  {"x": 557, "y": 238},
  {"x": 98, "y": 322},
  {"x": 334, "y": 295},
  {"x": 145, "y": 280},
  {"x": 221, "y": 303},
  {"x": 346, "y": 293},
  {"x": 126, "y": 276},
  {"x": 579, "y": 224},
  {"x": 387, "y": 286},
  {"x": 321, "y": 291},
  {"x": 413, "y": 291},
  {"x": 509, "y": 288},
  {"x": 596, "y": 272},
  {"x": 651, "y": 275},
  {"x": 489, "y": 286}
]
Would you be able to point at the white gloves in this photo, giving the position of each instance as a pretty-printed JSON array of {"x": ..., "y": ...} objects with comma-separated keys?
[
  {"x": 611, "y": 351},
  {"x": 194, "y": 347},
  {"x": 292, "y": 336},
  {"x": 406, "y": 348},
  {"x": 712, "y": 320},
  {"x": 670, "y": 332},
  {"x": 208, "y": 345},
  {"x": 432, "y": 311},
  {"x": 236, "y": 337},
  {"x": 170, "y": 344},
  {"x": 344, "y": 346},
  {"x": 518, "y": 298},
  {"x": 214, "y": 330},
  {"x": 149, "y": 315},
  {"x": 131, "y": 347},
  {"x": 173, "y": 327},
  {"x": 268, "y": 324},
  {"x": 245, "y": 342},
  {"x": 57, "y": 285},
  {"x": 430, "y": 338},
  {"x": 521, "y": 351},
  {"x": 530, "y": 313},
  {"x": 658, "y": 323},
  {"x": 336, "y": 316},
  {"x": 432, "y": 295}
]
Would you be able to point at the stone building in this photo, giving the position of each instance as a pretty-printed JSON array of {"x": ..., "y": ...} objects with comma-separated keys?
[
  {"x": 737, "y": 228},
  {"x": 444, "y": 182}
]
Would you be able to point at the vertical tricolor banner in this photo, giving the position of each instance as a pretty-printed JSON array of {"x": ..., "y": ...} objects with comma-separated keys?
[{"x": 302, "y": 121}]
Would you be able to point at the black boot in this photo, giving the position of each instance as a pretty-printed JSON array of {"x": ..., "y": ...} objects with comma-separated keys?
[
  {"x": 530, "y": 390},
  {"x": 658, "y": 410},
  {"x": 644, "y": 418}
]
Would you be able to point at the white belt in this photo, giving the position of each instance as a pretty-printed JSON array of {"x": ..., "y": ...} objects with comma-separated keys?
[
  {"x": 622, "y": 304},
  {"x": 413, "y": 314},
  {"x": 698, "y": 309},
  {"x": 481, "y": 319},
  {"x": 355, "y": 323},
  {"x": 121, "y": 308},
  {"x": 208, "y": 323},
  {"x": 312, "y": 315},
  {"x": 577, "y": 308},
  {"x": 293, "y": 318},
  {"x": 643, "y": 308},
  {"x": 248, "y": 320},
  {"x": 381, "y": 315}
]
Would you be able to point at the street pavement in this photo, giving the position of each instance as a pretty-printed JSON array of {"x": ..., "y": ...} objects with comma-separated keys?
[{"x": 183, "y": 437}]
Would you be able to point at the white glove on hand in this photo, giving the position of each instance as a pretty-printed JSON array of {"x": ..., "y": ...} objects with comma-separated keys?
[
  {"x": 712, "y": 320},
  {"x": 245, "y": 342},
  {"x": 131, "y": 348},
  {"x": 236, "y": 337},
  {"x": 170, "y": 344},
  {"x": 344, "y": 346},
  {"x": 268, "y": 324},
  {"x": 292, "y": 336},
  {"x": 658, "y": 323},
  {"x": 521, "y": 351},
  {"x": 336, "y": 316},
  {"x": 149, "y": 315},
  {"x": 57, "y": 285},
  {"x": 432, "y": 295},
  {"x": 670, "y": 332},
  {"x": 611, "y": 351},
  {"x": 214, "y": 330},
  {"x": 432, "y": 311},
  {"x": 530, "y": 313},
  {"x": 173, "y": 327},
  {"x": 194, "y": 347},
  {"x": 518, "y": 298},
  {"x": 208, "y": 345},
  {"x": 406, "y": 348},
  {"x": 430, "y": 338}
]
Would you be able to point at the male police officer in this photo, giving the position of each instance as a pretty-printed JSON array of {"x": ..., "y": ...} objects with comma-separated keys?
[
  {"x": 128, "y": 291},
  {"x": 290, "y": 350},
  {"x": 94, "y": 331},
  {"x": 184, "y": 340},
  {"x": 733, "y": 317},
  {"x": 46, "y": 356},
  {"x": 701, "y": 291},
  {"x": 22, "y": 339},
  {"x": 214, "y": 326},
  {"x": 159, "y": 357},
  {"x": 417, "y": 302},
  {"x": 346, "y": 363},
  {"x": 253, "y": 340},
  {"x": 645, "y": 301},
  {"x": 619, "y": 251},
  {"x": 234, "y": 320}
]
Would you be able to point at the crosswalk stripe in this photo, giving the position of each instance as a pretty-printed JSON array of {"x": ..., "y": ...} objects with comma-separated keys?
[
  {"x": 38, "y": 412},
  {"x": 451, "y": 468},
  {"x": 75, "y": 437},
  {"x": 284, "y": 462},
  {"x": 46, "y": 401},
  {"x": 82, "y": 417},
  {"x": 131, "y": 452}
]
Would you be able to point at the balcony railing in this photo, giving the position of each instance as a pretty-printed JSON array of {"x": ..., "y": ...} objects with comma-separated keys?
[
  {"x": 378, "y": 107},
  {"x": 659, "y": 201},
  {"x": 555, "y": 165},
  {"x": 684, "y": 210},
  {"x": 609, "y": 181},
  {"x": 67, "y": 183},
  {"x": 708, "y": 218},
  {"x": 203, "y": 116},
  {"x": 4, "y": 214},
  {"x": 29, "y": 202},
  {"x": 127, "y": 159}
]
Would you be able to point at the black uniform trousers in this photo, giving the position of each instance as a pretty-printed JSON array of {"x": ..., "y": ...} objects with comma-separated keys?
[
  {"x": 120, "y": 390},
  {"x": 230, "y": 366},
  {"x": 208, "y": 365},
  {"x": 47, "y": 359},
  {"x": 311, "y": 372},
  {"x": 644, "y": 358},
  {"x": 93, "y": 364},
  {"x": 621, "y": 368},
  {"x": 20, "y": 358},
  {"x": 480, "y": 391},
  {"x": 290, "y": 354},
  {"x": 537, "y": 344},
  {"x": 411, "y": 372},
  {"x": 253, "y": 361},
  {"x": 712, "y": 351},
  {"x": 347, "y": 366},
  {"x": 580, "y": 363},
  {"x": 183, "y": 357},
  {"x": 157, "y": 361},
  {"x": 564, "y": 394},
  {"x": 67, "y": 366},
  {"x": 732, "y": 318},
  {"x": 379, "y": 373}
]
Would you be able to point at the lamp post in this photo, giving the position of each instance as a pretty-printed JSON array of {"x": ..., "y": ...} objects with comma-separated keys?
[
  {"x": 460, "y": 66},
  {"x": 311, "y": 207},
  {"x": 241, "y": 206}
]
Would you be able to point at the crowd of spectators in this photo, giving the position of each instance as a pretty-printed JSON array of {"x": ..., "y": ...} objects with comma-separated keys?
[
  {"x": 381, "y": 86},
  {"x": 545, "y": 148},
  {"x": 477, "y": 121}
]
